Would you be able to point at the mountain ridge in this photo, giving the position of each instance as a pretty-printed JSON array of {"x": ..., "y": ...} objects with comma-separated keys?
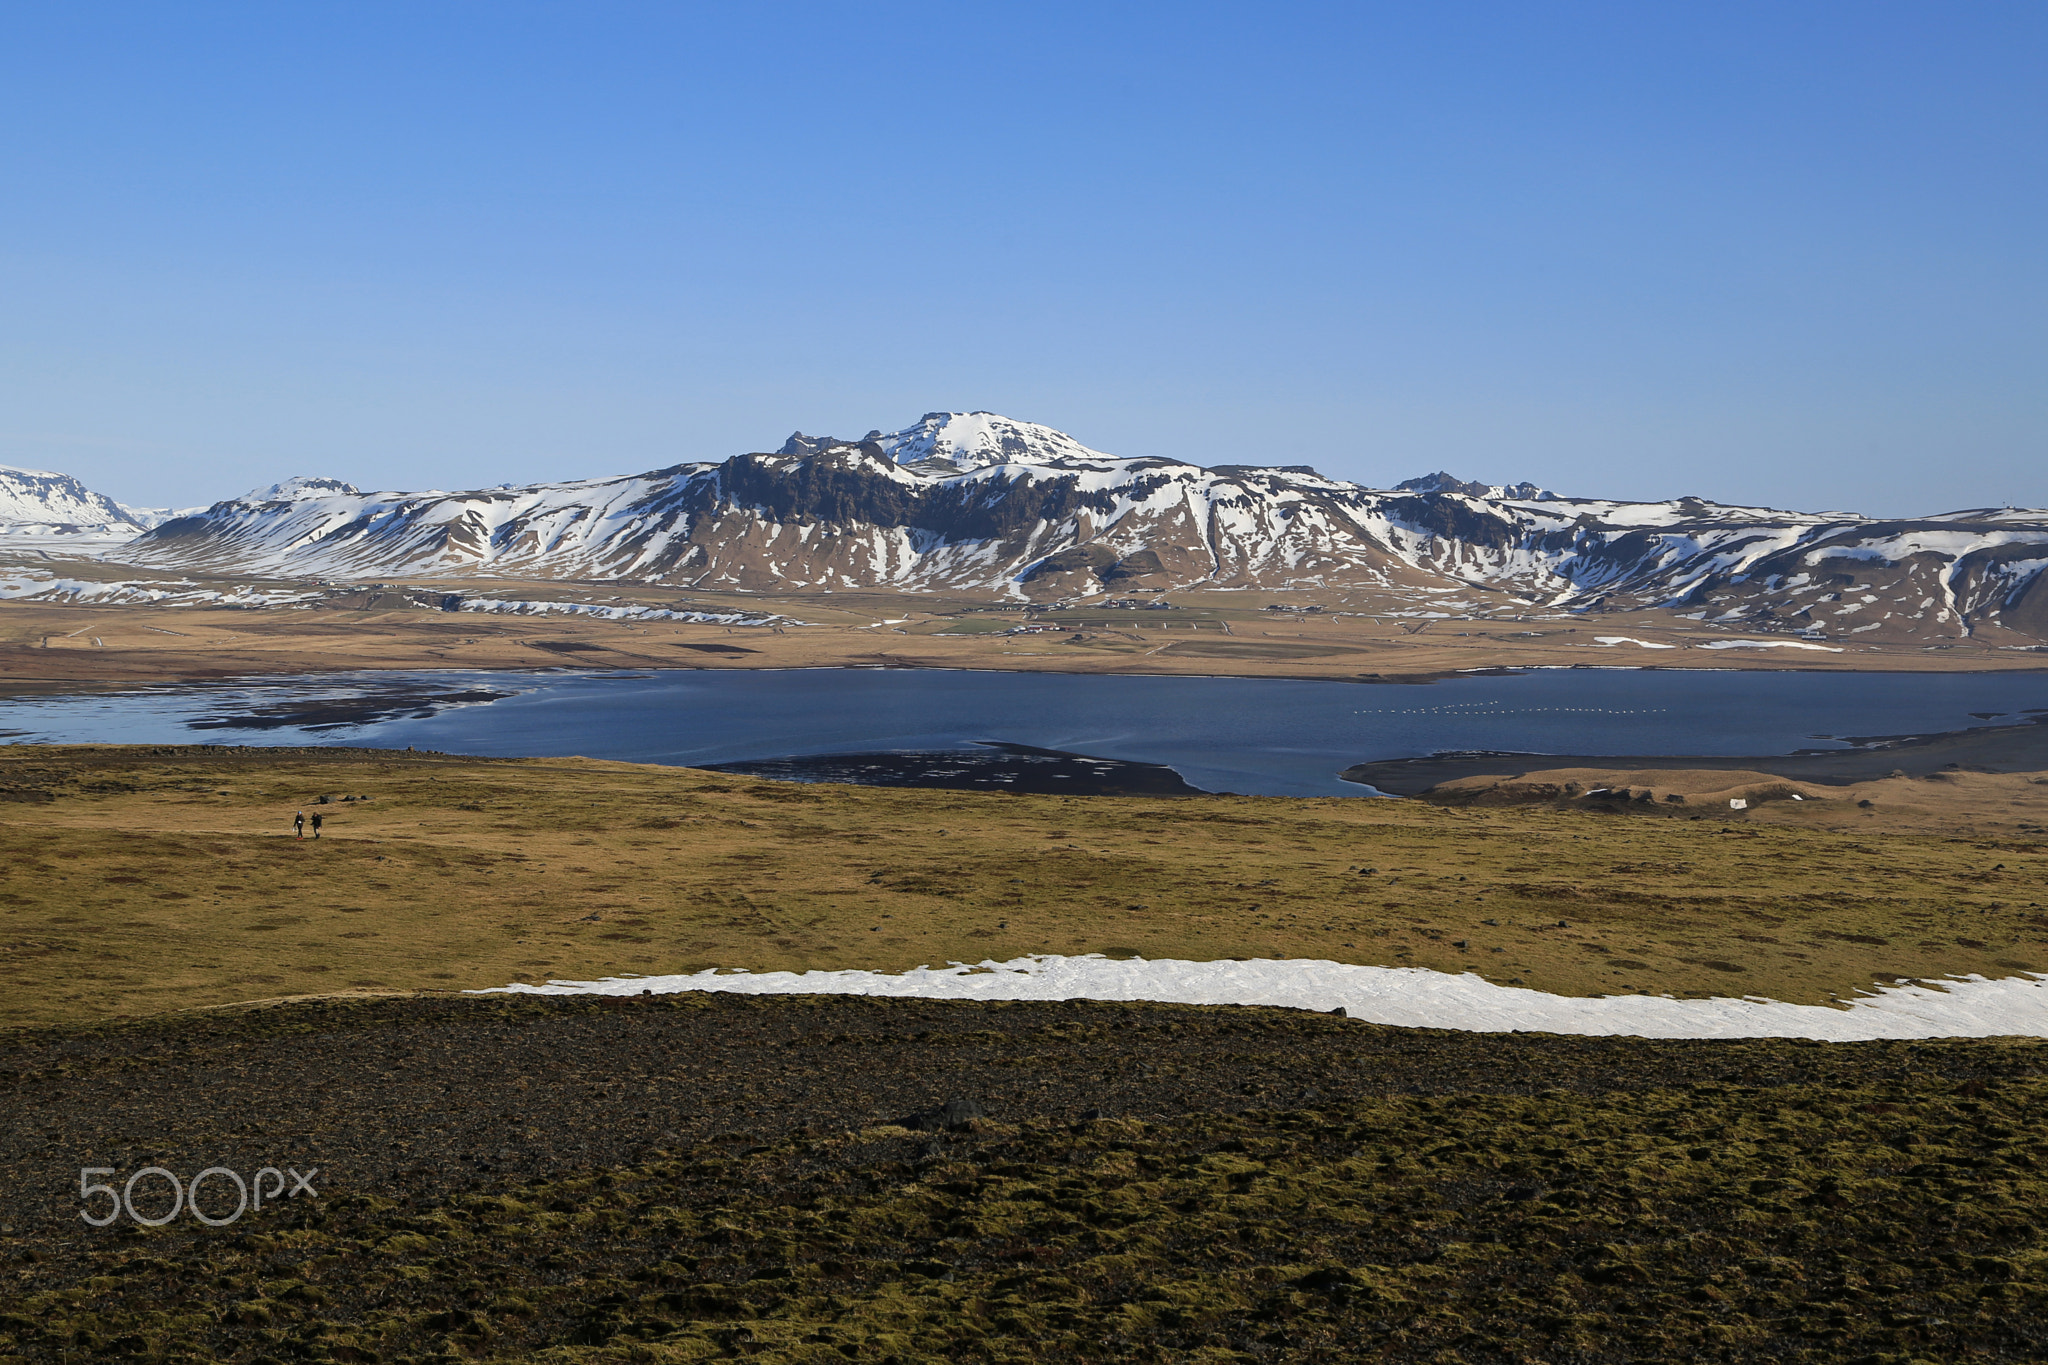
[{"x": 975, "y": 502}]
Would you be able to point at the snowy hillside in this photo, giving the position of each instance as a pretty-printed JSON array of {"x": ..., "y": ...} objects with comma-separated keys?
[
  {"x": 35, "y": 497},
  {"x": 42, "y": 510}
]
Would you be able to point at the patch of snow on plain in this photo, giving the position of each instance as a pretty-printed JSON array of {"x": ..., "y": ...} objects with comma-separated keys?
[
  {"x": 1409, "y": 997},
  {"x": 181, "y": 592},
  {"x": 1611, "y": 640},
  {"x": 67, "y": 540},
  {"x": 1770, "y": 644},
  {"x": 509, "y": 607}
]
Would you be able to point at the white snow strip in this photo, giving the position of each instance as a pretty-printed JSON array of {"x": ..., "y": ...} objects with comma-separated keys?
[
  {"x": 504, "y": 607},
  {"x": 1412, "y": 997},
  {"x": 177, "y": 592},
  {"x": 1769, "y": 644},
  {"x": 1630, "y": 640}
]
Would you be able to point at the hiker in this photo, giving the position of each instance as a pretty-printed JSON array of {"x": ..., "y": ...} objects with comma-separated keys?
[
  {"x": 299, "y": 825},
  {"x": 316, "y": 824}
]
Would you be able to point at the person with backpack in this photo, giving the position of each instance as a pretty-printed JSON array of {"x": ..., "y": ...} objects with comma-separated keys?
[{"x": 316, "y": 824}]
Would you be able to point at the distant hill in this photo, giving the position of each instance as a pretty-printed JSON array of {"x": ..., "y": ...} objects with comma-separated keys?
[{"x": 39, "y": 507}]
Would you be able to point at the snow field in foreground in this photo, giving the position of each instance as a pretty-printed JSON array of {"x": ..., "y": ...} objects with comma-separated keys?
[{"x": 1414, "y": 997}]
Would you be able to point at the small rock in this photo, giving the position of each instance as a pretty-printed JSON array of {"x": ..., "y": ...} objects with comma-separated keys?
[
  {"x": 953, "y": 1114},
  {"x": 1327, "y": 1279}
]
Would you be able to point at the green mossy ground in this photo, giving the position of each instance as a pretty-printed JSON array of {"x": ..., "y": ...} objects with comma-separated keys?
[{"x": 1880, "y": 1211}]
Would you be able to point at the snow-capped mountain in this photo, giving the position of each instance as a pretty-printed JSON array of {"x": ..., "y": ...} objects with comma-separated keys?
[
  {"x": 978, "y": 502},
  {"x": 972, "y": 440},
  {"x": 56, "y": 511},
  {"x": 36, "y": 497},
  {"x": 942, "y": 442}
]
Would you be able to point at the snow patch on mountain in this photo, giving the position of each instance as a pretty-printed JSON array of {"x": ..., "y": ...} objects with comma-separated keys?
[
  {"x": 970, "y": 440},
  {"x": 300, "y": 488}
]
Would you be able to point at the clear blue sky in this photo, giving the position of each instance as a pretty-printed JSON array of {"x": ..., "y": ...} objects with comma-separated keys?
[{"x": 1791, "y": 253}]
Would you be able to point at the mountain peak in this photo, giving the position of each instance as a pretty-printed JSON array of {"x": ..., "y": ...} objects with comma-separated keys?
[
  {"x": 969, "y": 440},
  {"x": 1441, "y": 482},
  {"x": 297, "y": 489},
  {"x": 800, "y": 444},
  {"x": 960, "y": 440}
]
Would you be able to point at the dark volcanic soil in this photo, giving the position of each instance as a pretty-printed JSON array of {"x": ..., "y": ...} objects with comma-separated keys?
[
  {"x": 989, "y": 766},
  {"x": 320, "y": 704},
  {"x": 704, "y": 1177},
  {"x": 1991, "y": 748}
]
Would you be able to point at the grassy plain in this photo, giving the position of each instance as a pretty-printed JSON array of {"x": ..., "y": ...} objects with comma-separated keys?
[
  {"x": 1207, "y": 633},
  {"x": 143, "y": 880}
]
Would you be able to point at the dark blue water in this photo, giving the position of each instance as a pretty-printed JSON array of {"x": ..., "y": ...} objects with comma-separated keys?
[{"x": 1251, "y": 735}]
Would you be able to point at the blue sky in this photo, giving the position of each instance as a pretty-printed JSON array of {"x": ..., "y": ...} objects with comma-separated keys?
[{"x": 1789, "y": 253}]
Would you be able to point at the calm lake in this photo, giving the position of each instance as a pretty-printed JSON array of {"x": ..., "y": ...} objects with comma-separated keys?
[{"x": 1249, "y": 735}]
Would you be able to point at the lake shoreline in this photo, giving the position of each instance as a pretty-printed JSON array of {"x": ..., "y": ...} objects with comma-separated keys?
[
  {"x": 61, "y": 686},
  {"x": 982, "y": 729},
  {"x": 2017, "y": 748}
]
